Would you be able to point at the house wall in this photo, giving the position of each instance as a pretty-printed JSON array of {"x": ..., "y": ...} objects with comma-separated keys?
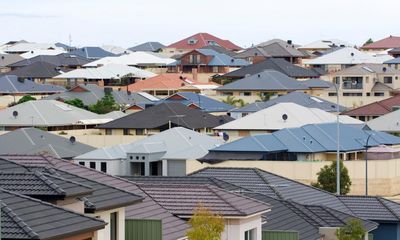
[
  {"x": 104, "y": 234},
  {"x": 386, "y": 231},
  {"x": 235, "y": 228},
  {"x": 114, "y": 167},
  {"x": 83, "y": 236},
  {"x": 253, "y": 96},
  {"x": 383, "y": 175}
]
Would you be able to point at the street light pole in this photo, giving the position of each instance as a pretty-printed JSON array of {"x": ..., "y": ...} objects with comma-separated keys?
[
  {"x": 366, "y": 164},
  {"x": 337, "y": 140}
]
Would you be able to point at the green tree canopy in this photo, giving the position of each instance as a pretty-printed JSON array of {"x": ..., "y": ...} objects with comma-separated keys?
[
  {"x": 327, "y": 178},
  {"x": 265, "y": 96},
  {"x": 75, "y": 102},
  {"x": 369, "y": 41},
  {"x": 26, "y": 98},
  {"x": 104, "y": 105},
  {"x": 353, "y": 230},
  {"x": 231, "y": 100},
  {"x": 205, "y": 224}
]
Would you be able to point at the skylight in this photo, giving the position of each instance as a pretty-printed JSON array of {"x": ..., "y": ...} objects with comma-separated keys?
[
  {"x": 368, "y": 69},
  {"x": 316, "y": 99}
]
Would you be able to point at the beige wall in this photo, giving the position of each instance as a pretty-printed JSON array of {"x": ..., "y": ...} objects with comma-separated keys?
[
  {"x": 235, "y": 228},
  {"x": 383, "y": 175},
  {"x": 104, "y": 234}
]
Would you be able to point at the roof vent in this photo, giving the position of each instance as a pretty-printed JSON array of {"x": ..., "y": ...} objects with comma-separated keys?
[
  {"x": 72, "y": 139},
  {"x": 352, "y": 54},
  {"x": 384, "y": 69},
  {"x": 259, "y": 75},
  {"x": 255, "y": 54},
  {"x": 31, "y": 51},
  {"x": 232, "y": 60},
  {"x": 15, "y": 114},
  {"x": 289, "y": 42},
  {"x": 284, "y": 117},
  {"x": 2, "y": 57}
]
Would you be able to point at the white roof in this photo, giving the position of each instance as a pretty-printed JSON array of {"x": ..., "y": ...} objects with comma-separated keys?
[
  {"x": 133, "y": 59},
  {"x": 49, "y": 113},
  {"x": 148, "y": 96},
  {"x": 39, "y": 52},
  {"x": 271, "y": 118},
  {"x": 106, "y": 72},
  {"x": 326, "y": 44},
  {"x": 387, "y": 123},
  {"x": 115, "y": 49},
  {"x": 27, "y": 47},
  {"x": 347, "y": 55},
  {"x": 175, "y": 143}
]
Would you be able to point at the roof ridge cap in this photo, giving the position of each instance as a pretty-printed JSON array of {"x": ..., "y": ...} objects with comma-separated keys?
[
  {"x": 379, "y": 199},
  {"x": 257, "y": 171},
  {"x": 214, "y": 190},
  {"x": 290, "y": 204},
  {"x": 50, "y": 183}
]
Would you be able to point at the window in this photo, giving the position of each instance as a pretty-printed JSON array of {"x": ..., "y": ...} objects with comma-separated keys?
[
  {"x": 351, "y": 94},
  {"x": 227, "y": 93},
  {"x": 108, "y": 131},
  {"x": 194, "y": 59},
  {"x": 139, "y": 132},
  {"x": 92, "y": 165},
  {"x": 103, "y": 167},
  {"x": 250, "y": 234},
  {"x": 336, "y": 80},
  {"x": 352, "y": 82},
  {"x": 192, "y": 41},
  {"x": 114, "y": 226},
  {"x": 215, "y": 69},
  {"x": 388, "y": 80},
  {"x": 245, "y": 94},
  {"x": 126, "y": 131},
  {"x": 361, "y": 118},
  {"x": 368, "y": 94},
  {"x": 379, "y": 94},
  {"x": 82, "y": 163},
  {"x": 332, "y": 94}
]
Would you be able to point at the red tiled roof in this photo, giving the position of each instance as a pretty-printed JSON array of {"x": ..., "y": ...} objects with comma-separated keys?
[
  {"x": 202, "y": 41},
  {"x": 386, "y": 43},
  {"x": 375, "y": 109},
  {"x": 167, "y": 81}
]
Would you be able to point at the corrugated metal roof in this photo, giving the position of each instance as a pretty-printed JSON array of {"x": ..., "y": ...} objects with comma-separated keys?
[{"x": 10, "y": 84}]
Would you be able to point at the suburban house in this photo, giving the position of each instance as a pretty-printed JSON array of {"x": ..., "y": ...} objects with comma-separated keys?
[
  {"x": 363, "y": 84},
  {"x": 309, "y": 203},
  {"x": 375, "y": 109},
  {"x": 321, "y": 46},
  {"x": 42, "y": 52},
  {"x": 8, "y": 59},
  {"x": 107, "y": 75},
  {"x": 390, "y": 122},
  {"x": 162, "y": 154},
  {"x": 91, "y": 93},
  {"x": 280, "y": 116},
  {"x": 344, "y": 57},
  {"x": 395, "y": 52},
  {"x": 40, "y": 72},
  {"x": 197, "y": 41},
  {"x": 395, "y": 63},
  {"x": 21, "y": 47},
  {"x": 199, "y": 101},
  {"x": 64, "y": 61},
  {"x": 147, "y": 47},
  {"x": 298, "y": 98},
  {"x": 277, "y": 64},
  {"x": 92, "y": 52},
  {"x": 36, "y": 141},
  {"x": 168, "y": 84},
  {"x": 219, "y": 49},
  {"x": 383, "y": 44},
  {"x": 51, "y": 115},
  {"x": 204, "y": 63},
  {"x": 162, "y": 117},
  {"x": 267, "y": 82},
  {"x": 79, "y": 192},
  {"x": 274, "y": 48}
]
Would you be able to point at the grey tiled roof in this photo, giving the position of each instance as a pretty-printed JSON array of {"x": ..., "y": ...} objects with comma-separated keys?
[
  {"x": 60, "y": 60},
  {"x": 92, "y": 52},
  {"x": 147, "y": 47},
  {"x": 10, "y": 84},
  {"x": 23, "y": 217},
  {"x": 38, "y": 69},
  {"x": 7, "y": 59}
]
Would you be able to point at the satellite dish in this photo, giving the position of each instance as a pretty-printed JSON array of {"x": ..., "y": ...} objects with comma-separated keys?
[
  {"x": 72, "y": 139},
  {"x": 384, "y": 69},
  {"x": 284, "y": 117},
  {"x": 15, "y": 114},
  {"x": 225, "y": 136},
  {"x": 352, "y": 54}
]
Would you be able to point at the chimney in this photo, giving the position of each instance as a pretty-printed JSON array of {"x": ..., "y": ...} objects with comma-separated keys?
[{"x": 194, "y": 73}]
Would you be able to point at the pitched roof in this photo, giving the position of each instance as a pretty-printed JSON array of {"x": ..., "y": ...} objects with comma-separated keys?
[
  {"x": 326, "y": 44},
  {"x": 172, "y": 227},
  {"x": 60, "y": 60},
  {"x": 218, "y": 59},
  {"x": 312, "y": 138},
  {"x": 272, "y": 118},
  {"x": 299, "y": 98},
  {"x": 174, "y": 143},
  {"x": 23, "y": 217},
  {"x": 21, "y": 47},
  {"x": 181, "y": 200},
  {"x": 146, "y": 59},
  {"x": 35, "y": 141},
  {"x": 368, "y": 69},
  {"x": 147, "y": 47},
  {"x": 162, "y": 114},
  {"x": 202, "y": 102},
  {"x": 92, "y": 93},
  {"x": 393, "y": 61},
  {"x": 278, "y": 64},
  {"x": 10, "y": 84},
  {"x": 375, "y": 109},
  {"x": 268, "y": 80},
  {"x": 272, "y": 49},
  {"x": 109, "y": 71},
  {"x": 200, "y": 40},
  {"x": 42, "y": 52},
  {"x": 7, "y": 59},
  {"x": 38, "y": 69},
  {"x": 346, "y": 56},
  {"x": 48, "y": 113},
  {"x": 389, "y": 122},
  {"x": 318, "y": 83},
  {"x": 92, "y": 52},
  {"x": 220, "y": 50},
  {"x": 386, "y": 43}
]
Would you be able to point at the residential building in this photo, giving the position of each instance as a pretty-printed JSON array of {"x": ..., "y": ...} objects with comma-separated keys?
[
  {"x": 162, "y": 117},
  {"x": 6, "y": 60},
  {"x": 40, "y": 72},
  {"x": 395, "y": 63},
  {"x": 383, "y": 44},
  {"x": 21, "y": 47},
  {"x": 51, "y": 115},
  {"x": 390, "y": 122},
  {"x": 36, "y": 141},
  {"x": 298, "y": 98},
  {"x": 395, "y": 52},
  {"x": 280, "y": 116},
  {"x": 197, "y": 41},
  {"x": 148, "y": 47},
  {"x": 162, "y": 154},
  {"x": 42, "y": 52},
  {"x": 12, "y": 85},
  {"x": 92, "y": 52},
  {"x": 321, "y": 46},
  {"x": 375, "y": 109}
]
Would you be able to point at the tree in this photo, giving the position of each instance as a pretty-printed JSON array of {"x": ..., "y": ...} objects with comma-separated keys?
[
  {"x": 26, "y": 98},
  {"x": 327, "y": 178},
  {"x": 105, "y": 105},
  {"x": 369, "y": 41},
  {"x": 265, "y": 96},
  {"x": 231, "y": 100},
  {"x": 353, "y": 230},
  {"x": 75, "y": 102},
  {"x": 206, "y": 225}
]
